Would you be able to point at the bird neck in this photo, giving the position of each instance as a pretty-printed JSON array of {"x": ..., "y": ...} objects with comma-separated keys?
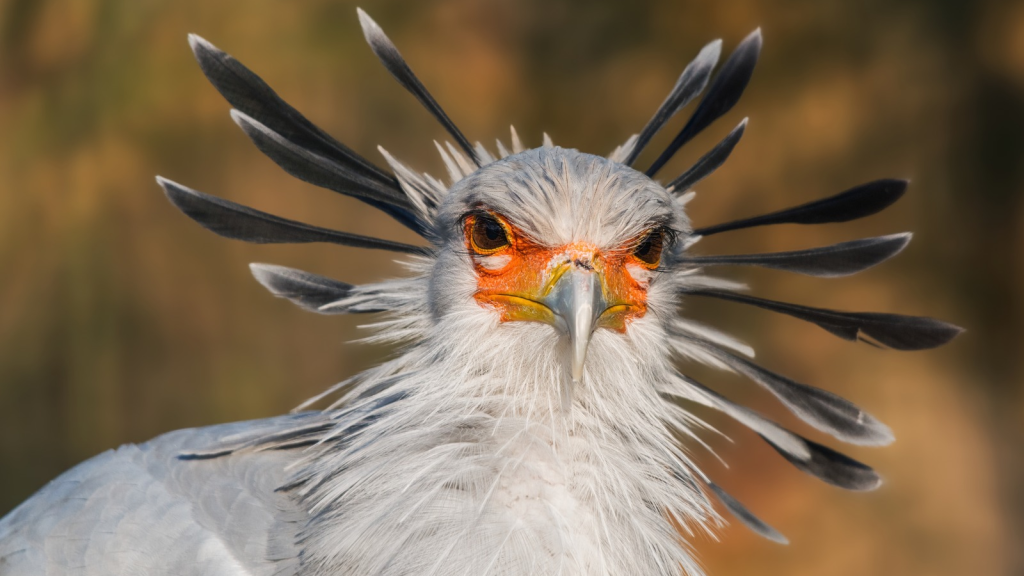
[{"x": 472, "y": 463}]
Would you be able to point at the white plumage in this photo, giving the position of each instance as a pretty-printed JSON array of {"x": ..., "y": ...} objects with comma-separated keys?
[{"x": 530, "y": 423}]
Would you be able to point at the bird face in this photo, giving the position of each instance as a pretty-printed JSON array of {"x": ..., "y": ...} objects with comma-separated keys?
[
  {"x": 548, "y": 242},
  {"x": 576, "y": 287}
]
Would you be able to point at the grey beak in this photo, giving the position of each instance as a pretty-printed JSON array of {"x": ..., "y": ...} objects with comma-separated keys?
[{"x": 577, "y": 302}]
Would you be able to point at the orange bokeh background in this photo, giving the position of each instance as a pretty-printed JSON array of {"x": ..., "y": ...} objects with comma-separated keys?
[{"x": 120, "y": 319}]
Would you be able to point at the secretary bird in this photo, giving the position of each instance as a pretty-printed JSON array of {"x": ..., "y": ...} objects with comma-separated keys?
[{"x": 530, "y": 422}]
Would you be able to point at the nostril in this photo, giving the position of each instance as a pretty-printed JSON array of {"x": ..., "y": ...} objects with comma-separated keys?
[{"x": 583, "y": 263}]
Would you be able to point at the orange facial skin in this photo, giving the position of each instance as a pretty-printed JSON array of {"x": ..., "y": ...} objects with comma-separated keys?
[{"x": 527, "y": 272}]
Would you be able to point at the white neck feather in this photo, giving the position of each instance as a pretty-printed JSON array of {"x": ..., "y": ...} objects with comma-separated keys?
[{"x": 471, "y": 467}]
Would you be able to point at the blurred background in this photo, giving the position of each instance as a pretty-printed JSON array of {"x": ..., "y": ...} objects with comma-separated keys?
[{"x": 120, "y": 319}]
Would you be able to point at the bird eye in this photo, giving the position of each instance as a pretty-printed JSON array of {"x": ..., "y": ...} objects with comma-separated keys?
[
  {"x": 487, "y": 234},
  {"x": 649, "y": 249}
]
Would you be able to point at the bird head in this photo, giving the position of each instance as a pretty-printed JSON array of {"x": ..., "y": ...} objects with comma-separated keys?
[{"x": 561, "y": 239}]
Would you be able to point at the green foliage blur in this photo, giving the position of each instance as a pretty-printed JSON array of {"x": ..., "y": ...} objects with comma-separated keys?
[{"x": 120, "y": 319}]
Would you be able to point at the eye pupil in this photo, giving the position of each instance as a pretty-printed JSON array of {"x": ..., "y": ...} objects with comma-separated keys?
[
  {"x": 487, "y": 234},
  {"x": 649, "y": 249},
  {"x": 493, "y": 230}
]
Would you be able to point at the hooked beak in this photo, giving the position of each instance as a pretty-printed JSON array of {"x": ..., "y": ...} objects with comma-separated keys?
[
  {"x": 577, "y": 302},
  {"x": 576, "y": 290}
]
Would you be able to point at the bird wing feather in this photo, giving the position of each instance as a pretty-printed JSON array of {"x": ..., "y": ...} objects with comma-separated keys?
[{"x": 143, "y": 509}]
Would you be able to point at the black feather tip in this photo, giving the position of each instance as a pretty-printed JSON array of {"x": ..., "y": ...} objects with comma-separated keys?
[
  {"x": 307, "y": 290},
  {"x": 709, "y": 162},
  {"x": 834, "y": 468},
  {"x": 390, "y": 57},
  {"x": 724, "y": 93},
  {"x": 747, "y": 517}
]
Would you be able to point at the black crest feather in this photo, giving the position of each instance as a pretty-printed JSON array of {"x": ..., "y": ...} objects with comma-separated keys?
[
  {"x": 833, "y": 467},
  {"x": 233, "y": 220},
  {"x": 709, "y": 162},
  {"x": 824, "y": 463},
  {"x": 318, "y": 170},
  {"x": 892, "y": 330},
  {"x": 725, "y": 91},
  {"x": 747, "y": 517},
  {"x": 389, "y": 56},
  {"x": 307, "y": 290},
  {"x": 328, "y": 163},
  {"x": 691, "y": 83},
  {"x": 832, "y": 261},
  {"x": 824, "y": 410},
  {"x": 857, "y": 202}
]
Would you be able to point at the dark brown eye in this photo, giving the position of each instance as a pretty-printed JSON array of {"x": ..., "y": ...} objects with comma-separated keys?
[
  {"x": 649, "y": 249},
  {"x": 487, "y": 234}
]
